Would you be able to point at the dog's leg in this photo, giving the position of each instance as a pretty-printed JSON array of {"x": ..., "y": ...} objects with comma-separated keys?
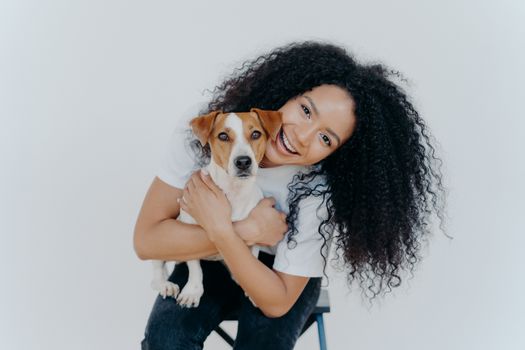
[
  {"x": 160, "y": 281},
  {"x": 191, "y": 294}
]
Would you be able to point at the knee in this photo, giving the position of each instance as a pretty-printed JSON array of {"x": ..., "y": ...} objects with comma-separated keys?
[
  {"x": 172, "y": 327},
  {"x": 162, "y": 337}
]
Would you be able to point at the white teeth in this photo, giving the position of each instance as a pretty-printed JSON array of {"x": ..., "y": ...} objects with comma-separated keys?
[{"x": 287, "y": 143}]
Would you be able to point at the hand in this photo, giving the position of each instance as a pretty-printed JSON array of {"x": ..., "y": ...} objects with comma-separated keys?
[
  {"x": 267, "y": 224},
  {"x": 207, "y": 204}
]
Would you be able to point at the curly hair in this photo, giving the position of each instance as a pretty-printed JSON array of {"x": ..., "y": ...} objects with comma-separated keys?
[{"x": 380, "y": 187}]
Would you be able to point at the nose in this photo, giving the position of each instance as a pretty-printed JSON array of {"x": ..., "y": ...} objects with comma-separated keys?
[
  {"x": 243, "y": 162},
  {"x": 304, "y": 134}
]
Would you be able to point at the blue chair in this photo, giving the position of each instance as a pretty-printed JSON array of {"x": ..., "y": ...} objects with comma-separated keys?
[{"x": 323, "y": 306}]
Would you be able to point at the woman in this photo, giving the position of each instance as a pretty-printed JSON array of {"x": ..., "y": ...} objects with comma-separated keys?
[{"x": 352, "y": 165}]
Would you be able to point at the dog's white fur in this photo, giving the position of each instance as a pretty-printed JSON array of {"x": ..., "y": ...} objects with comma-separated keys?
[{"x": 243, "y": 195}]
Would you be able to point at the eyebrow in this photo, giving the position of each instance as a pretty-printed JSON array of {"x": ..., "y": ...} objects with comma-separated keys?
[
  {"x": 334, "y": 135},
  {"x": 312, "y": 103},
  {"x": 330, "y": 131}
]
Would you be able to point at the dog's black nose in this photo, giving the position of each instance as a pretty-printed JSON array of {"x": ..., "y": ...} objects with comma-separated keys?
[{"x": 243, "y": 162}]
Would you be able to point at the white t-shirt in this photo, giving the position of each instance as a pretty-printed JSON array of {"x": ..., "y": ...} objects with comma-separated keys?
[{"x": 305, "y": 258}]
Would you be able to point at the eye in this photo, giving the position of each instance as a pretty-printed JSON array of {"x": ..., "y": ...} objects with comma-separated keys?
[
  {"x": 306, "y": 110},
  {"x": 255, "y": 135},
  {"x": 223, "y": 136},
  {"x": 326, "y": 140}
]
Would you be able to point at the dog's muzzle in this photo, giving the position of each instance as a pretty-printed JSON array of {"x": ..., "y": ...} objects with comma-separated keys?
[{"x": 243, "y": 165}]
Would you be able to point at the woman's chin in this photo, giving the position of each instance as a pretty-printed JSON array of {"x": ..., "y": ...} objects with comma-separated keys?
[
  {"x": 270, "y": 159},
  {"x": 276, "y": 158}
]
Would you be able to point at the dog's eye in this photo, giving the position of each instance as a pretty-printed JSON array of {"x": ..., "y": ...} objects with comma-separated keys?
[
  {"x": 256, "y": 135},
  {"x": 223, "y": 136}
]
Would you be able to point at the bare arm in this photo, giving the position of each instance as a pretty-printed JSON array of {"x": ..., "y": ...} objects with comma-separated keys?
[
  {"x": 274, "y": 292},
  {"x": 159, "y": 236}
]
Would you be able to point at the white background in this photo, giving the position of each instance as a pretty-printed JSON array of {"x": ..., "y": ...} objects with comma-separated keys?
[{"x": 90, "y": 91}]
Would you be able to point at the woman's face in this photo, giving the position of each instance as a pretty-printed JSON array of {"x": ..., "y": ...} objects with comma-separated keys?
[{"x": 315, "y": 124}]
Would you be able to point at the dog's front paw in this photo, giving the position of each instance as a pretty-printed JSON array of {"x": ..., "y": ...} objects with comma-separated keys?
[
  {"x": 191, "y": 295},
  {"x": 165, "y": 288}
]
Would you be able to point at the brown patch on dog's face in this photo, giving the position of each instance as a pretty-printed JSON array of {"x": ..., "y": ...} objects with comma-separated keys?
[
  {"x": 203, "y": 125},
  {"x": 233, "y": 137},
  {"x": 254, "y": 133},
  {"x": 221, "y": 141},
  {"x": 271, "y": 121},
  {"x": 223, "y": 138},
  {"x": 210, "y": 128}
]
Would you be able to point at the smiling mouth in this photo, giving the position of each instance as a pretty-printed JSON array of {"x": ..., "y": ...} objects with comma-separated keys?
[{"x": 286, "y": 144}]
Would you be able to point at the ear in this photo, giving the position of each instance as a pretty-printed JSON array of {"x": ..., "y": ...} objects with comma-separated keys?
[
  {"x": 202, "y": 126},
  {"x": 271, "y": 121}
]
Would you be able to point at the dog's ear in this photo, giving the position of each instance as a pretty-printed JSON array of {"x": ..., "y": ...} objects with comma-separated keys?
[
  {"x": 271, "y": 121},
  {"x": 203, "y": 125}
]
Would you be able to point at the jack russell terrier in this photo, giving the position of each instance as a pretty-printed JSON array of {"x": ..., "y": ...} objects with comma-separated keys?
[{"x": 237, "y": 142}]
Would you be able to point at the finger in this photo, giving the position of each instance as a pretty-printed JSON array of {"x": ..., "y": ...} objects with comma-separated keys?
[
  {"x": 269, "y": 200},
  {"x": 186, "y": 194},
  {"x": 199, "y": 184},
  {"x": 195, "y": 177},
  {"x": 195, "y": 174},
  {"x": 192, "y": 186},
  {"x": 196, "y": 184},
  {"x": 182, "y": 204},
  {"x": 190, "y": 180},
  {"x": 209, "y": 182}
]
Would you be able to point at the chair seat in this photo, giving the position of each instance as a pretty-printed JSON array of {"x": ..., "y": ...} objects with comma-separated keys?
[
  {"x": 322, "y": 306},
  {"x": 323, "y": 303}
]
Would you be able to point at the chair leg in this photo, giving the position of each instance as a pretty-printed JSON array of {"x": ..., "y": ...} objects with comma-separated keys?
[
  {"x": 320, "y": 329},
  {"x": 224, "y": 335}
]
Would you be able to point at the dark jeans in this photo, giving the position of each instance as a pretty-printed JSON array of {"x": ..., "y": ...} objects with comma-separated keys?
[{"x": 172, "y": 327}]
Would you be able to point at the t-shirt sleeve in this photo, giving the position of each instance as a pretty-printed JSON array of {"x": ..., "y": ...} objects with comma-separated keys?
[
  {"x": 178, "y": 163},
  {"x": 305, "y": 258}
]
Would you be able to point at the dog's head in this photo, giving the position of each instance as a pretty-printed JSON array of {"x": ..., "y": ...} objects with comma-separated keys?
[{"x": 237, "y": 140}]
